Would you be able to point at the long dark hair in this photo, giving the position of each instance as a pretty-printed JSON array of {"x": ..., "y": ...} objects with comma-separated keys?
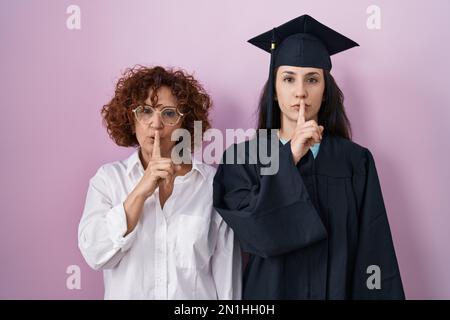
[{"x": 331, "y": 114}]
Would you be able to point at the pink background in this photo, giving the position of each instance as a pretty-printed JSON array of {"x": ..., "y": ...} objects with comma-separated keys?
[{"x": 55, "y": 80}]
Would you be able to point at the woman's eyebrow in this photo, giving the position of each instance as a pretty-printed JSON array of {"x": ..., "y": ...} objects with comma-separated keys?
[
  {"x": 308, "y": 74},
  {"x": 154, "y": 106}
]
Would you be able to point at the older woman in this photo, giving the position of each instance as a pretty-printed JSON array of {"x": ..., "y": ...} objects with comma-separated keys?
[{"x": 147, "y": 223}]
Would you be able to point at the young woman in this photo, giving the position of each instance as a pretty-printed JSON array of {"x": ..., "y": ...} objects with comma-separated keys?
[
  {"x": 317, "y": 228},
  {"x": 147, "y": 223}
]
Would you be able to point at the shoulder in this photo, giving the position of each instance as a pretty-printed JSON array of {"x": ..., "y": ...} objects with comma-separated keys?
[
  {"x": 242, "y": 156},
  {"x": 108, "y": 178},
  {"x": 344, "y": 157},
  {"x": 252, "y": 152},
  {"x": 237, "y": 153},
  {"x": 207, "y": 171},
  {"x": 112, "y": 169},
  {"x": 341, "y": 145}
]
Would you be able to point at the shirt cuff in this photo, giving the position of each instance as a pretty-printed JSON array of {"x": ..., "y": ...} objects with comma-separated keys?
[{"x": 116, "y": 220}]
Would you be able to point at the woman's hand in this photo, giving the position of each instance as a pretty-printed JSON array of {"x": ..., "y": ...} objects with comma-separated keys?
[
  {"x": 306, "y": 134},
  {"x": 159, "y": 172}
]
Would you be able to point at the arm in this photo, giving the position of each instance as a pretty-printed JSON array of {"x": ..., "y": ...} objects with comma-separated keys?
[
  {"x": 375, "y": 246},
  {"x": 272, "y": 214},
  {"x": 102, "y": 233},
  {"x": 227, "y": 263}
]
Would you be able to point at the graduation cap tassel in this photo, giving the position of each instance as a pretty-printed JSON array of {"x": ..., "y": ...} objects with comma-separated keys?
[{"x": 269, "y": 120}]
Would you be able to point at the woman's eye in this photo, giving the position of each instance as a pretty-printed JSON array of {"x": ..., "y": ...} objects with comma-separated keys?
[
  {"x": 170, "y": 113},
  {"x": 288, "y": 79},
  {"x": 312, "y": 80},
  {"x": 147, "y": 111}
]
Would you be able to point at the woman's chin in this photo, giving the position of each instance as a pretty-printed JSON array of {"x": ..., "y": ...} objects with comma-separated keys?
[{"x": 293, "y": 117}]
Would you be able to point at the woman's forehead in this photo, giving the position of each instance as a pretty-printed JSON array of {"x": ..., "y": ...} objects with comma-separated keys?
[
  {"x": 299, "y": 70},
  {"x": 164, "y": 96}
]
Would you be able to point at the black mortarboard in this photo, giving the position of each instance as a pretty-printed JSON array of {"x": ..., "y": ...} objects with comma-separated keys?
[{"x": 301, "y": 42}]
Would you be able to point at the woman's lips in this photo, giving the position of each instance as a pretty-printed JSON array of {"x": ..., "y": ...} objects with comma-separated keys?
[{"x": 297, "y": 106}]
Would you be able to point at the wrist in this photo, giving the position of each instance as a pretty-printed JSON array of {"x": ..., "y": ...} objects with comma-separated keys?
[
  {"x": 138, "y": 195},
  {"x": 295, "y": 157}
]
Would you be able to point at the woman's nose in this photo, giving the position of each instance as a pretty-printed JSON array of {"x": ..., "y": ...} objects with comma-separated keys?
[
  {"x": 156, "y": 122},
  {"x": 300, "y": 91}
]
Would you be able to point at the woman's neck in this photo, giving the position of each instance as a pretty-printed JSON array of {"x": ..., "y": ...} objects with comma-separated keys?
[{"x": 287, "y": 128}]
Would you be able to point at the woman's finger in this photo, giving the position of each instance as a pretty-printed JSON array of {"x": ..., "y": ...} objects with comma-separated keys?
[
  {"x": 163, "y": 166},
  {"x": 162, "y": 174},
  {"x": 317, "y": 130},
  {"x": 156, "y": 146}
]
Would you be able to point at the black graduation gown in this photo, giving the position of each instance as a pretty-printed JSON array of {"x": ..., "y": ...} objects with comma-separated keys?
[{"x": 311, "y": 230}]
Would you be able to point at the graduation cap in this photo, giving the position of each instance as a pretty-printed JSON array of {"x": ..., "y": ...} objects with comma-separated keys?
[{"x": 301, "y": 42}]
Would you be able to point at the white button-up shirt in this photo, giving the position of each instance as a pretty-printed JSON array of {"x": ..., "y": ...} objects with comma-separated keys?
[{"x": 183, "y": 251}]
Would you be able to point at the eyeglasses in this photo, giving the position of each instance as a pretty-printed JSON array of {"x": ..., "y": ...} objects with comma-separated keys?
[{"x": 170, "y": 116}]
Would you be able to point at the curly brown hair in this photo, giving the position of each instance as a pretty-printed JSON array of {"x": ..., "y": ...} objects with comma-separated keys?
[{"x": 132, "y": 90}]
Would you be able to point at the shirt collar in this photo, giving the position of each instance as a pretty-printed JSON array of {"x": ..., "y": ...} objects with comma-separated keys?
[
  {"x": 200, "y": 167},
  {"x": 134, "y": 162},
  {"x": 196, "y": 167}
]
